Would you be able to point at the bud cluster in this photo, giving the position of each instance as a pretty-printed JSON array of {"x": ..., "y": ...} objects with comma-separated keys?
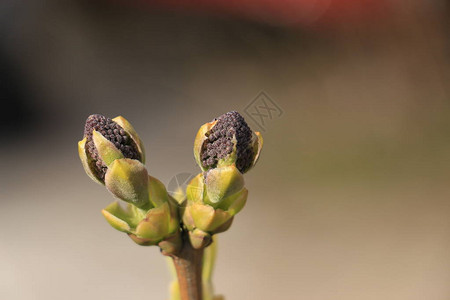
[
  {"x": 224, "y": 149},
  {"x": 113, "y": 154}
]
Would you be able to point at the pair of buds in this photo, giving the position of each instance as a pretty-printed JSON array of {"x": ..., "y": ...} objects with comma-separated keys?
[{"x": 112, "y": 154}]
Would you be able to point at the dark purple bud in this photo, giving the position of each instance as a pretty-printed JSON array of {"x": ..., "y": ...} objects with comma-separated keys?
[
  {"x": 115, "y": 134},
  {"x": 220, "y": 142}
]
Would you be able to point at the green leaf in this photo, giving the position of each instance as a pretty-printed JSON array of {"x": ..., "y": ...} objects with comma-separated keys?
[
  {"x": 123, "y": 219},
  {"x": 194, "y": 190},
  {"x": 133, "y": 134},
  {"x": 199, "y": 140},
  {"x": 155, "y": 225},
  {"x": 127, "y": 179},
  {"x": 207, "y": 218},
  {"x": 221, "y": 183},
  {"x": 85, "y": 161},
  {"x": 234, "y": 203},
  {"x": 157, "y": 192},
  {"x": 107, "y": 150}
]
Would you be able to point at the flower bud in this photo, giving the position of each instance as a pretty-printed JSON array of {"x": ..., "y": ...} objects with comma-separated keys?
[
  {"x": 225, "y": 141},
  {"x": 213, "y": 199},
  {"x": 106, "y": 140},
  {"x": 112, "y": 154}
]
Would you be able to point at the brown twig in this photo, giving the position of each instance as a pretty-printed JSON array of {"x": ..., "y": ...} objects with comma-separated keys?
[{"x": 188, "y": 265}]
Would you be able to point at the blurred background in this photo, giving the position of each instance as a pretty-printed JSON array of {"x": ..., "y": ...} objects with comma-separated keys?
[{"x": 351, "y": 196}]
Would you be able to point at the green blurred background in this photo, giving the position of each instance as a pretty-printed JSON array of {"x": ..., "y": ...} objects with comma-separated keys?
[{"x": 350, "y": 198}]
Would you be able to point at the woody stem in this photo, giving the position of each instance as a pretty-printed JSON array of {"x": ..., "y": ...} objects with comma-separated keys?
[{"x": 188, "y": 265}]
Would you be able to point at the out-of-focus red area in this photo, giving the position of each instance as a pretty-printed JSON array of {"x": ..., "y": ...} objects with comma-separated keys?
[{"x": 310, "y": 13}]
